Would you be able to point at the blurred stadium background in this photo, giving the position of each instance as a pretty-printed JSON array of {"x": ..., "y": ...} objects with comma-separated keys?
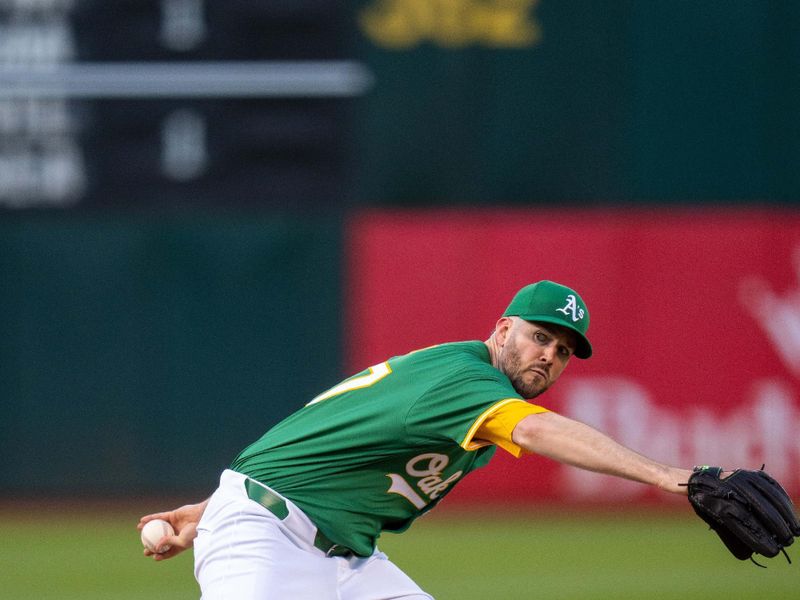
[{"x": 210, "y": 211}]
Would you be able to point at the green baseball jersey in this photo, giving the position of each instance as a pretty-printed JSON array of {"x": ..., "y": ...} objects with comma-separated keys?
[{"x": 384, "y": 446}]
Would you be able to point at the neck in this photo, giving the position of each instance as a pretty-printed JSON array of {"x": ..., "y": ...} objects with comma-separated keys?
[{"x": 491, "y": 344}]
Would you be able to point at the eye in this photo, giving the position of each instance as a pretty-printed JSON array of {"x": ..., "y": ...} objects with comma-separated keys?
[
  {"x": 541, "y": 337},
  {"x": 565, "y": 352}
]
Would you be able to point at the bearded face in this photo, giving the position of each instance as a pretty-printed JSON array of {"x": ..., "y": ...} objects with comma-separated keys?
[
  {"x": 533, "y": 356},
  {"x": 526, "y": 382}
]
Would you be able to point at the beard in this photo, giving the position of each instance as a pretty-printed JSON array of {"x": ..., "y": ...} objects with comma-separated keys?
[{"x": 510, "y": 364}]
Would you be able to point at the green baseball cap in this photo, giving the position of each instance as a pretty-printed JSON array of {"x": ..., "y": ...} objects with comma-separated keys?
[{"x": 549, "y": 302}]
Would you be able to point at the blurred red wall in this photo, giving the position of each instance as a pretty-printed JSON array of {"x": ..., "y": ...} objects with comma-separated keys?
[{"x": 695, "y": 323}]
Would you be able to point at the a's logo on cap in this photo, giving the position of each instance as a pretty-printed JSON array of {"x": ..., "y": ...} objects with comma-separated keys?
[{"x": 572, "y": 309}]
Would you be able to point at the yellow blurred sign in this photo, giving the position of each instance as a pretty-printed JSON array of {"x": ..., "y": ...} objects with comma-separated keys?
[{"x": 403, "y": 24}]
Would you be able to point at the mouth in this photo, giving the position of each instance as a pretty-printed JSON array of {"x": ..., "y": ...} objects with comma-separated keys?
[{"x": 540, "y": 373}]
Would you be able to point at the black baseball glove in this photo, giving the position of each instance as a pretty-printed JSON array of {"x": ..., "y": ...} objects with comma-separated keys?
[{"x": 749, "y": 510}]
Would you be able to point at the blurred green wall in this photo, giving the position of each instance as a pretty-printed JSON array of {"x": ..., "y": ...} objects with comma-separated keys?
[
  {"x": 142, "y": 353},
  {"x": 584, "y": 102}
]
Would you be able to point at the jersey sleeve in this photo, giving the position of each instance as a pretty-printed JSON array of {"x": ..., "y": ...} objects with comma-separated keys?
[{"x": 496, "y": 425}]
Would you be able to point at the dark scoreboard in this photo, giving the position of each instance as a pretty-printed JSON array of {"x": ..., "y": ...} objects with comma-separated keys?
[{"x": 175, "y": 103}]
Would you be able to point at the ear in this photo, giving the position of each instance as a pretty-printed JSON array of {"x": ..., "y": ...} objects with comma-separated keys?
[{"x": 501, "y": 330}]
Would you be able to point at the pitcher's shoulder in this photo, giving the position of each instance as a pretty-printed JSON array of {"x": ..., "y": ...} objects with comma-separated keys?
[{"x": 473, "y": 350}]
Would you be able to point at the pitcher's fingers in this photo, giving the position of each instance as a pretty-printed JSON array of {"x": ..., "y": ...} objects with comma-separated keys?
[
  {"x": 172, "y": 552},
  {"x": 164, "y": 516}
]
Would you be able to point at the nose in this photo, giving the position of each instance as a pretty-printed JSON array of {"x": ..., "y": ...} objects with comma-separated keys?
[{"x": 548, "y": 354}]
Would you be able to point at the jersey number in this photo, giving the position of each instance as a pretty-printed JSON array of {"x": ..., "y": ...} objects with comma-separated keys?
[{"x": 374, "y": 375}]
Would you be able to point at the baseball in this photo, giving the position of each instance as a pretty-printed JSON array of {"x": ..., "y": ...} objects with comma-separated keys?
[{"x": 153, "y": 531}]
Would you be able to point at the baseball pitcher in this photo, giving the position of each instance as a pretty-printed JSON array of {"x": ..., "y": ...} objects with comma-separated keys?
[{"x": 299, "y": 512}]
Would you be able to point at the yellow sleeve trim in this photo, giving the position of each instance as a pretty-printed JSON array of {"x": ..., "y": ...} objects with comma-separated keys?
[
  {"x": 468, "y": 443},
  {"x": 496, "y": 425}
]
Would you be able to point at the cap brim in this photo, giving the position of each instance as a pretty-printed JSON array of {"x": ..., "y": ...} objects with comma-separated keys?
[{"x": 583, "y": 348}]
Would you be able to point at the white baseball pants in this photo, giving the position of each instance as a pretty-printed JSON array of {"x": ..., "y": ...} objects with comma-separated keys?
[{"x": 244, "y": 552}]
